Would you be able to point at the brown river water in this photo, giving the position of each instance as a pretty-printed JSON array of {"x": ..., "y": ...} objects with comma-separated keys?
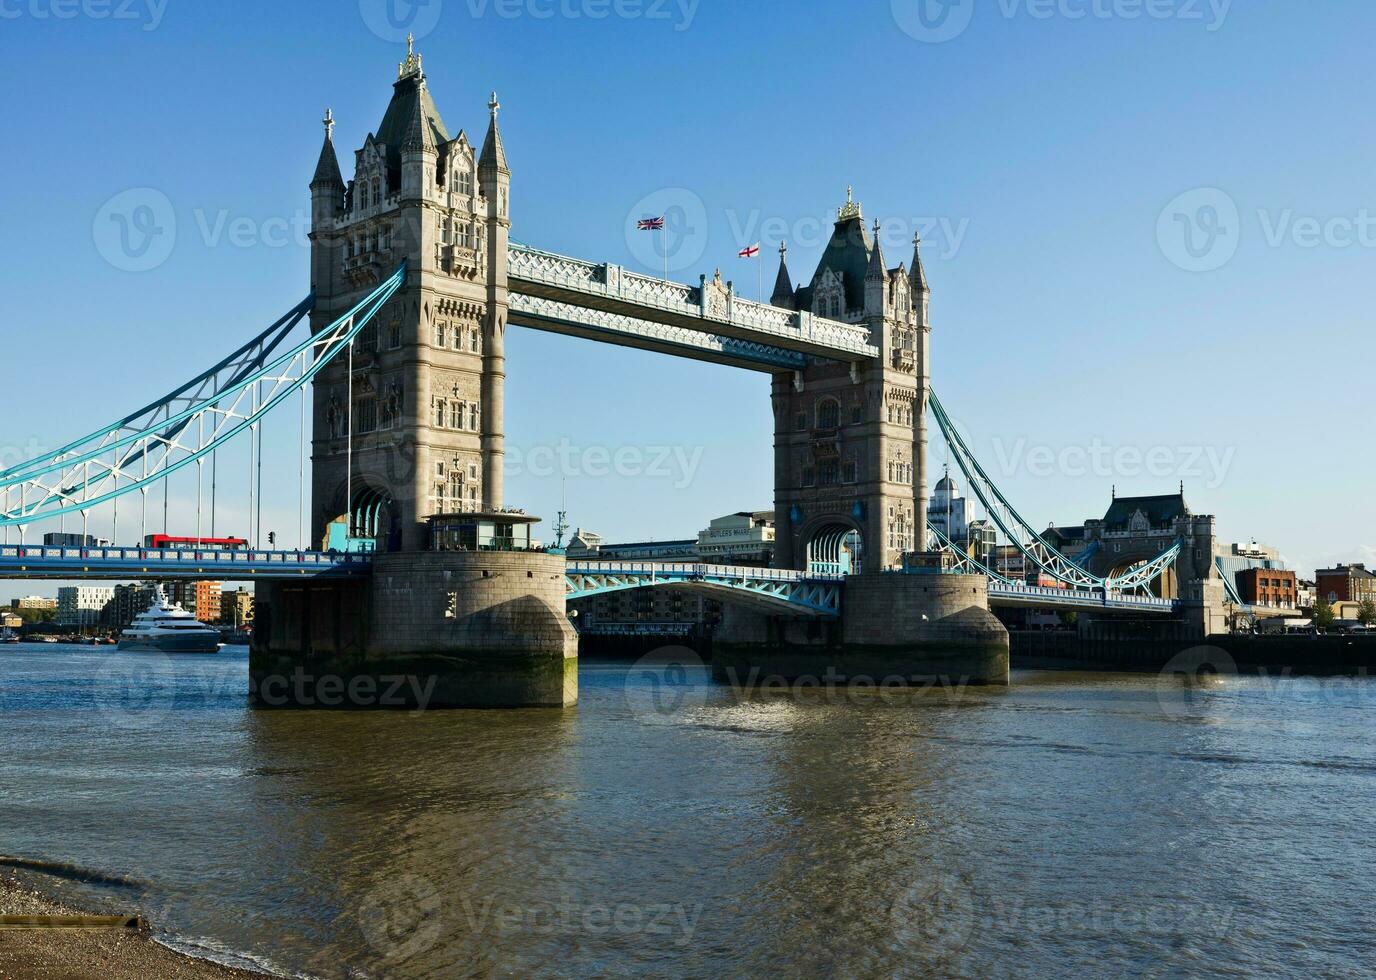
[{"x": 1072, "y": 824}]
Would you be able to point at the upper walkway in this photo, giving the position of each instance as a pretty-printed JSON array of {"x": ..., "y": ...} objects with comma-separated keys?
[{"x": 709, "y": 322}]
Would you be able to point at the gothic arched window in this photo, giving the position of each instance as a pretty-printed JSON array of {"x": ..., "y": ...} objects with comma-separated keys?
[{"x": 828, "y": 414}]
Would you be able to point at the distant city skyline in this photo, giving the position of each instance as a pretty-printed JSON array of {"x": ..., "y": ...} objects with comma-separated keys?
[{"x": 1152, "y": 278}]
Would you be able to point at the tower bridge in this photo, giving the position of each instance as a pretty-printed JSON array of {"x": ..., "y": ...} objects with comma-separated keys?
[{"x": 401, "y": 384}]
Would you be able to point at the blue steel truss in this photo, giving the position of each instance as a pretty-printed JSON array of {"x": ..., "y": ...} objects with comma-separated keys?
[
  {"x": 794, "y": 591},
  {"x": 184, "y": 426},
  {"x": 111, "y": 563},
  {"x": 1010, "y": 592},
  {"x": 1022, "y": 535}
]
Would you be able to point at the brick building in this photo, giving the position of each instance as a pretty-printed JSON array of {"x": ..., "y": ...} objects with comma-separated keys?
[
  {"x": 1345, "y": 583},
  {"x": 1273, "y": 587}
]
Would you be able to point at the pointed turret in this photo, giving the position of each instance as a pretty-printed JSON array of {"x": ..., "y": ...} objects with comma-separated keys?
[
  {"x": 327, "y": 169},
  {"x": 419, "y": 133},
  {"x": 876, "y": 267},
  {"x": 919, "y": 274},
  {"x": 921, "y": 292},
  {"x": 493, "y": 156},
  {"x": 494, "y": 182},
  {"x": 876, "y": 286},
  {"x": 783, "y": 284}
]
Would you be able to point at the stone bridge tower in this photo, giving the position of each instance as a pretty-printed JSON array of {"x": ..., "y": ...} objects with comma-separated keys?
[
  {"x": 415, "y": 426},
  {"x": 1137, "y": 529},
  {"x": 850, "y": 443}
]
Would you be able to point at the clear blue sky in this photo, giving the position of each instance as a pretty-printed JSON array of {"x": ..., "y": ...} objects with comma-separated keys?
[{"x": 1050, "y": 145}]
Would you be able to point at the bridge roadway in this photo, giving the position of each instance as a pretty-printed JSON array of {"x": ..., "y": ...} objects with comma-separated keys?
[
  {"x": 49, "y": 562},
  {"x": 781, "y": 590}
]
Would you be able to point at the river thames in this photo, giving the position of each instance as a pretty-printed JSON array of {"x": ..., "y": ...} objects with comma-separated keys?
[{"x": 1102, "y": 824}]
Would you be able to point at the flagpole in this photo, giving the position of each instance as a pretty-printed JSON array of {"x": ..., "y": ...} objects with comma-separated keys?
[{"x": 664, "y": 247}]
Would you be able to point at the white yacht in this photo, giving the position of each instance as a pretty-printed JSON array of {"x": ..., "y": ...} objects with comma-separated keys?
[{"x": 166, "y": 628}]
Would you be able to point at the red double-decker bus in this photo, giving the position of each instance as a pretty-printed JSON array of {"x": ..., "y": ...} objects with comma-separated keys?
[{"x": 221, "y": 544}]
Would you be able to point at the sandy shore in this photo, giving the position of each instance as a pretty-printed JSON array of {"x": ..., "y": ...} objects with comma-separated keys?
[{"x": 116, "y": 954}]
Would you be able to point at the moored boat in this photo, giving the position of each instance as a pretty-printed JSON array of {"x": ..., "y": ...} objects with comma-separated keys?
[{"x": 168, "y": 628}]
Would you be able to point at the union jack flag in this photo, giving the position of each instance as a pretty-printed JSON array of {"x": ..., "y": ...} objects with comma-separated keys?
[
  {"x": 650, "y": 224},
  {"x": 750, "y": 251}
]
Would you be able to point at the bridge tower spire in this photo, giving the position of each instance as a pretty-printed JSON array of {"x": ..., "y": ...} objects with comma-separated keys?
[
  {"x": 920, "y": 303},
  {"x": 327, "y": 198},
  {"x": 495, "y": 181},
  {"x": 845, "y": 473},
  {"x": 414, "y": 427},
  {"x": 783, "y": 285}
]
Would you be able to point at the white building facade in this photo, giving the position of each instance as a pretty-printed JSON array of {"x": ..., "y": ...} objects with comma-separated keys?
[
  {"x": 949, "y": 512},
  {"x": 81, "y": 605}
]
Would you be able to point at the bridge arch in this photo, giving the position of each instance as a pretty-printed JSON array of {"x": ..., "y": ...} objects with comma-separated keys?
[
  {"x": 834, "y": 546},
  {"x": 1115, "y": 563},
  {"x": 370, "y": 514}
]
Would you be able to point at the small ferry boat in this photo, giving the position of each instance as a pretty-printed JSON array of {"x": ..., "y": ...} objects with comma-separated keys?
[
  {"x": 8, "y": 635},
  {"x": 166, "y": 628}
]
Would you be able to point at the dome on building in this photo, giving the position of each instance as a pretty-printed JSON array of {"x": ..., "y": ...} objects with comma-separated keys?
[{"x": 946, "y": 486}]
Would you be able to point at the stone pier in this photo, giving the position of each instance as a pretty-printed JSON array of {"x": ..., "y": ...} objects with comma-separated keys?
[
  {"x": 439, "y": 629},
  {"x": 914, "y": 628}
]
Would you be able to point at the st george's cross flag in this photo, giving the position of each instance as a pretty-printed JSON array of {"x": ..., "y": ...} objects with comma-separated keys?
[{"x": 750, "y": 251}]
